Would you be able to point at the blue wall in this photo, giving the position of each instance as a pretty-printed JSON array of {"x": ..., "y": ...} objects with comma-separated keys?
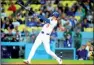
[
  {"x": 40, "y": 53},
  {"x": 86, "y": 36}
]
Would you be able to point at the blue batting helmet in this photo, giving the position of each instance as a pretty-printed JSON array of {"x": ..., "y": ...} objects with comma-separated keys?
[{"x": 56, "y": 14}]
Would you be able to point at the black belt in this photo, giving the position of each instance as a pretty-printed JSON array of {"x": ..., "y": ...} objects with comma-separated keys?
[{"x": 46, "y": 33}]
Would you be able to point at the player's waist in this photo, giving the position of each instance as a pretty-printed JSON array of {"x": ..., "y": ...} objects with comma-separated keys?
[{"x": 45, "y": 33}]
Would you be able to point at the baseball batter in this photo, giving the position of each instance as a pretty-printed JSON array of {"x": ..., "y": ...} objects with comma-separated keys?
[{"x": 44, "y": 36}]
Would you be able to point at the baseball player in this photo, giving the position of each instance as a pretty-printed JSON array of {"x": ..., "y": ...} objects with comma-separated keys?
[{"x": 44, "y": 36}]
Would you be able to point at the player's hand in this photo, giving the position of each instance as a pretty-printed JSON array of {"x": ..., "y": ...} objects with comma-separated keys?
[{"x": 35, "y": 15}]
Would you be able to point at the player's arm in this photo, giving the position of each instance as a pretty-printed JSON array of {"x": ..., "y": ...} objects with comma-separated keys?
[
  {"x": 44, "y": 18},
  {"x": 62, "y": 28}
]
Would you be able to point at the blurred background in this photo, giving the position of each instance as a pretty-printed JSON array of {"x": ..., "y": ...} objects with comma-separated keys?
[{"x": 72, "y": 39}]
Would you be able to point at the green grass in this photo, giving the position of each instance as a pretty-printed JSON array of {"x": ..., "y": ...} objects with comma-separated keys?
[{"x": 48, "y": 61}]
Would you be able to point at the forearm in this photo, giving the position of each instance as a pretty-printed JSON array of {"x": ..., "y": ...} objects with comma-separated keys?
[{"x": 44, "y": 18}]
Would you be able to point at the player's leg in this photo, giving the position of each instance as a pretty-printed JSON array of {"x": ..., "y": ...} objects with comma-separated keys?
[
  {"x": 46, "y": 43},
  {"x": 34, "y": 48}
]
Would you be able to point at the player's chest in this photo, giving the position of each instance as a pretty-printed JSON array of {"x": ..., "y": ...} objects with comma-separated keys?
[{"x": 51, "y": 24}]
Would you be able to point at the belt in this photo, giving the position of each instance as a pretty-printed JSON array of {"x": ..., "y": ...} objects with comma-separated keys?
[{"x": 46, "y": 33}]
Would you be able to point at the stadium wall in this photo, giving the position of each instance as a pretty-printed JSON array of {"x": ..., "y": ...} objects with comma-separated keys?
[{"x": 41, "y": 53}]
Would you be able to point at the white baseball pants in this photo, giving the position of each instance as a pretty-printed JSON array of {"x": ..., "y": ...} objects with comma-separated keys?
[{"x": 46, "y": 42}]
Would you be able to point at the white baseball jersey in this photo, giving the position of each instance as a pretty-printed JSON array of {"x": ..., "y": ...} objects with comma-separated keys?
[
  {"x": 48, "y": 27},
  {"x": 45, "y": 39}
]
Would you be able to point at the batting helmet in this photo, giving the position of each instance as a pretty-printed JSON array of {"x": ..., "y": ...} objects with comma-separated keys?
[{"x": 56, "y": 14}]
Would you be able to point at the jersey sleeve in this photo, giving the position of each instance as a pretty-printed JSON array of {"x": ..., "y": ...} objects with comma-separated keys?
[{"x": 44, "y": 18}]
